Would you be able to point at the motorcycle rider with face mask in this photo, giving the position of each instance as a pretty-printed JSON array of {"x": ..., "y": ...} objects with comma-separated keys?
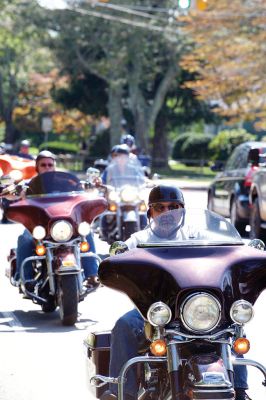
[{"x": 128, "y": 333}]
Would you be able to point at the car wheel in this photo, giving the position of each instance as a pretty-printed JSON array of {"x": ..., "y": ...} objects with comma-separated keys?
[
  {"x": 256, "y": 232},
  {"x": 238, "y": 224}
]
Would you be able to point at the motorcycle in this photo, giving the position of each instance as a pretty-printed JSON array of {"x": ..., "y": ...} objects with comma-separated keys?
[
  {"x": 58, "y": 216},
  {"x": 17, "y": 168},
  {"x": 127, "y": 195},
  {"x": 195, "y": 283}
]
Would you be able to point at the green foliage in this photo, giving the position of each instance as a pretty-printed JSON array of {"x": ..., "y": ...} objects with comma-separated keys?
[
  {"x": 60, "y": 147},
  {"x": 224, "y": 143},
  {"x": 192, "y": 146}
]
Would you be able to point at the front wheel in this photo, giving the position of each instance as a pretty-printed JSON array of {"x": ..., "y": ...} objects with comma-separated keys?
[
  {"x": 68, "y": 299},
  {"x": 256, "y": 232},
  {"x": 238, "y": 224}
]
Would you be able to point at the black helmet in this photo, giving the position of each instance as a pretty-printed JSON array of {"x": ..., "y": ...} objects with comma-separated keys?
[
  {"x": 45, "y": 154},
  {"x": 163, "y": 193},
  {"x": 120, "y": 149}
]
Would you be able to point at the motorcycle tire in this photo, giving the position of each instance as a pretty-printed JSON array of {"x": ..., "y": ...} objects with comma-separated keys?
[
  {"x": 127, "y": 229},
  {"x": 68, "y": 299}
]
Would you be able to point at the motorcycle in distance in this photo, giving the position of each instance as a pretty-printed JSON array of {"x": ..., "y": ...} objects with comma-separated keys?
[
  {"x": 17, "y": 168},
  {"x": 195, "y": 283},
  {"x": 126, "y": 192},
  {"x": 58, "y": 216}
]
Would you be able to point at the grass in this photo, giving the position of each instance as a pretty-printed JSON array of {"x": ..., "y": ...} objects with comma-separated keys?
[{"x": 181, "y": 171}]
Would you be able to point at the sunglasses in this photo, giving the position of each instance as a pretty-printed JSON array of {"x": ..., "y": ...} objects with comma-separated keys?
[
  {"x": 158, "y": 207},
  {"x": 46, "y": 165}
]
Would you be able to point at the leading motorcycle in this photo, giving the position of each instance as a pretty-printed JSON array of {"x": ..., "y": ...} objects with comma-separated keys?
[
  {"x": 58, "y": 216},
  {"x": 195, "y": 283}
]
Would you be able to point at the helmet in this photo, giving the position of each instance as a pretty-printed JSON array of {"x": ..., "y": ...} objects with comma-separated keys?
[
  {"x": 120, "y": 149},
  {"x": 163, "y": 193},
  {"x": 45, "y": 154},
  {"x": 25, "y": 143},
  {"x": 128, "y": 139}
]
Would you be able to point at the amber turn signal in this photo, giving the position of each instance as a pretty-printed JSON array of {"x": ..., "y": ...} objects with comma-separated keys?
[
  {"x": 158, "y": 348},
  {"x": 40, "y": 250},
  {"x": 112, "y": 207},
  {"x": 241, "y": 345},
  {"x": 84, "y": 246}
]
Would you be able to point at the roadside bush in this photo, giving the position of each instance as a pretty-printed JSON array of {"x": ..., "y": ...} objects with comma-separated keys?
[
  {"x": 224, "y": 143},
  {"x": 192, "y": 147},
  {"x": 57, "y": 147}
]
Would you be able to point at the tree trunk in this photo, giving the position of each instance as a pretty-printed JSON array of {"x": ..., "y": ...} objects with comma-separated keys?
[
  {"x": 115, "y": 111},
  {"x": 160, "y": 145}
]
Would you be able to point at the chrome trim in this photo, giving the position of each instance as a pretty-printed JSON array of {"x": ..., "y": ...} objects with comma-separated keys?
[{"x": 252, "y": 363}]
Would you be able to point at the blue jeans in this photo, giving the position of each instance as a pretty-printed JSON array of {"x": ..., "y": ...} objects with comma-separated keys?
[
  {"x": 127, "y": 339},
  {"x": 25, "y": 248}
]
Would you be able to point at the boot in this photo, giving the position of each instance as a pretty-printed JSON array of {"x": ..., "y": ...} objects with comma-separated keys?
[{"x": 241, "y": 395}]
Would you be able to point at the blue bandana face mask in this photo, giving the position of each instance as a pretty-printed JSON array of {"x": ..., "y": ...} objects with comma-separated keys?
[{"x": 167, "y": 224}]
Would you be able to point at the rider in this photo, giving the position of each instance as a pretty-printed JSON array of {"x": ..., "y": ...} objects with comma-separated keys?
[
  {"x": 128, "y": 333},
  {"x": 24, "y": 150},
  {"x": 46, "y": 162}
]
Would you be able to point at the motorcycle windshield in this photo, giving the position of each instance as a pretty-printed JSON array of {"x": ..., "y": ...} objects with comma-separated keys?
[
  {"x": 53, "y": 183},
  {"x": 186, "y": 227},
  {"x": 125, "y": 171}
]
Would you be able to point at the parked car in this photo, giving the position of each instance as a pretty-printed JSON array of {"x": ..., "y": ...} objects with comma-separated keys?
[
  {"x": 257, "y": 202},
  {"x": 228, "y": 194}
]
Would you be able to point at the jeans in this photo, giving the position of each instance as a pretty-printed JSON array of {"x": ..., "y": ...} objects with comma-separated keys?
[
  {"x": 127, "y": 339},
  {"x": 25, "y": 248}
]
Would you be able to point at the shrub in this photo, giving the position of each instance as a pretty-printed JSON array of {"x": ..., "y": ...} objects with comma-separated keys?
[
  {"x": 224, "y": 143},
  {"x": 192, "y": 147},
  {"x": 60, "y": 147}
]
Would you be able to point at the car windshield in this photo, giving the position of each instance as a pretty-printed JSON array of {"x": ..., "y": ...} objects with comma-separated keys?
[
  {"x": 53, "y": 183},
  {"x": 125, "y": 171},
  {"x": 186, "y": 227}
]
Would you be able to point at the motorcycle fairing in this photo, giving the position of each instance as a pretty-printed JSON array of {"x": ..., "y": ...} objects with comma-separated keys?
[
  {"x": 163, "y": 274},
  {"x": 40, "y": 210}
]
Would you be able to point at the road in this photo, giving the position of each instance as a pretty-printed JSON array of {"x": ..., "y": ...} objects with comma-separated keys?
[{"x": 41, "y": 359}]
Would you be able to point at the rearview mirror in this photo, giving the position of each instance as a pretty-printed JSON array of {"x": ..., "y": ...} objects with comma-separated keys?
[
  {"x": 118, "y": 247},
  {"x": 257, "y": 244}
]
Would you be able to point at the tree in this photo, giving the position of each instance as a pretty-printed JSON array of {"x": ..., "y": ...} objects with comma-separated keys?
[{"x": 227, "y": 53}]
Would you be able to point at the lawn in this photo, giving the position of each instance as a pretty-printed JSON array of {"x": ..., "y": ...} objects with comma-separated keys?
[{"x": 181, "y": 171}]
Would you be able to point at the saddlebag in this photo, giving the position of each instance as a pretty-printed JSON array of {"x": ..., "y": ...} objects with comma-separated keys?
[{"x": 97, "y": 346}]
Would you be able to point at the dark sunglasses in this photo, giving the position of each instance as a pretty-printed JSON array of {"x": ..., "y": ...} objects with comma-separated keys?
[
  {"x": 158, "y": 207},
  {"x": 46, "y": 165}
]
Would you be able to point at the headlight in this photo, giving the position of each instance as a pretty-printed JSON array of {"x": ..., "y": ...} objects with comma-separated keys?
[
  {"x": 200, "y": 312},
  {"x": 61, "y": 231},
  {"x": 241, "y": 312},
  {"x": 16, "y": 175},
  {"x": 113, "y": 196},
  {"x": 84, "y": 228},
  {"x": 38, "y": 232},
  {"x": 159, "y": 314},
  {"x": 129, "y": 194}
]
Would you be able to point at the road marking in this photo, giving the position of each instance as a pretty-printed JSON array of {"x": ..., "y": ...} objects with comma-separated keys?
[{"x": 12, "y": 321}]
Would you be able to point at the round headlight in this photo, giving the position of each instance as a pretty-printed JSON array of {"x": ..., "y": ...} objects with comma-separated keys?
[
  {"x": 84, "y": 228},
  {"x": 129, "y": 194},
  {"x": 16, "y": 175},
  {"x": 38, "y": 232},
  {"x": 241, "y": 312},
  {"x": 61, "y": 231},
  {"x": 113, "y": 196},
  {"x": 159, "y": 314},
  {"x": 201, "y": 312}
]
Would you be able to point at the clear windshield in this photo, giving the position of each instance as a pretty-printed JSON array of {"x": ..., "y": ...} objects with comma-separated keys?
[
  {"x": 186, "y": 227},
  {"x": 125, "y": 171},
  {"x": 53, "y": 183}
]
